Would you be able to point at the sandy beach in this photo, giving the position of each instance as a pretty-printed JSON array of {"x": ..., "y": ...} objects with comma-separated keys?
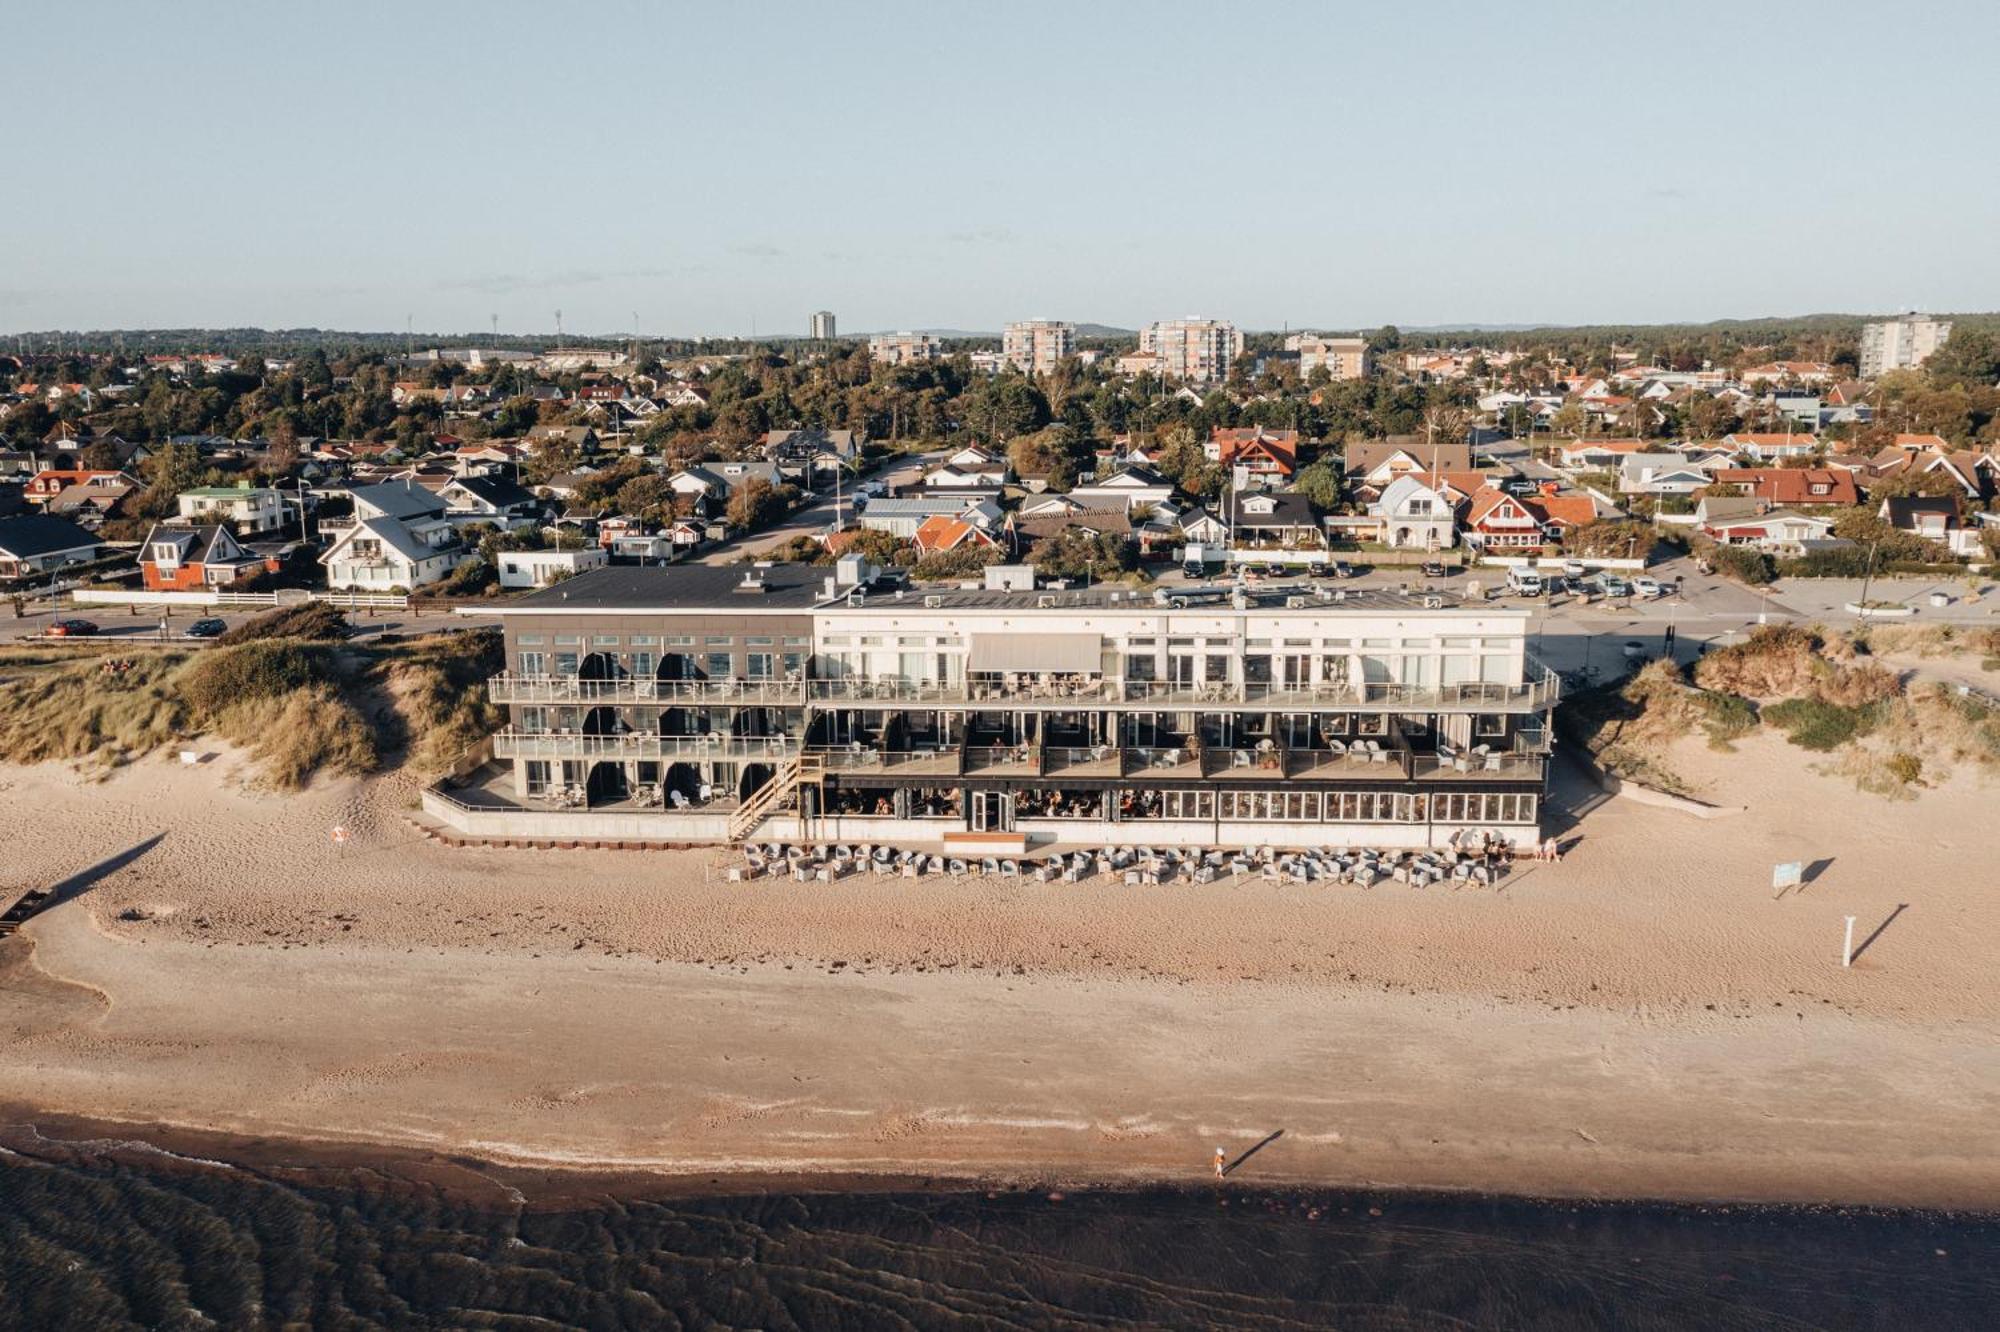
[{"x": 1645, "y": 1019}]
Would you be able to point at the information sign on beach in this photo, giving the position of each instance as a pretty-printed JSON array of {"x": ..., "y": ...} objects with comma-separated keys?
[{"x": 1788, "y": 875}]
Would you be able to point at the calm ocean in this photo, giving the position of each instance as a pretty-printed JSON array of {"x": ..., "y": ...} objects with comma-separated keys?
[{"x": 98, "y": 1244}]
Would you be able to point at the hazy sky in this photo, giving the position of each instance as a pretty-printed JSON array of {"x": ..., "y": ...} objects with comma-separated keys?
[{"x": 723, "y": 165}]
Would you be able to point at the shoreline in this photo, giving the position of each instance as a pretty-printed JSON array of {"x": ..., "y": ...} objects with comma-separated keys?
[{"x": 27, "y": 1135}]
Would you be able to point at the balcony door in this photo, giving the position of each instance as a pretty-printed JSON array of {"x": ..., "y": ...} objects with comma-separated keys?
[{"x": 992, "y": 811}]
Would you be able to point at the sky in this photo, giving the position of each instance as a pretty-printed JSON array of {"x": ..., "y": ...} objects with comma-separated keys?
[{"x": 724, "y": 169}]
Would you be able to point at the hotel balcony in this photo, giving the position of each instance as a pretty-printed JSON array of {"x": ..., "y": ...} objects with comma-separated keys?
[
  {"x": 1363, "y": 761},
  {"x": 511, "y": 744},
  {"x": 533, "y": 689}
]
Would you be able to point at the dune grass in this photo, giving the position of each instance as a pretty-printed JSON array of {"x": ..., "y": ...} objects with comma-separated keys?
[{"x": 299, "y": 706}]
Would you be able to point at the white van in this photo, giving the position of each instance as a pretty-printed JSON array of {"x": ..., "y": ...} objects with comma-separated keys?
[{"x": 1525, "y": 582}]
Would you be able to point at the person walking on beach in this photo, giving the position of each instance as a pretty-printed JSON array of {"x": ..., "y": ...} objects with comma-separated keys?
[{"x": 1220, "y": 1168}]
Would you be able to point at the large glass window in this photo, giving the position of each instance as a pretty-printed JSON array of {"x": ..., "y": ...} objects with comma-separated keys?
[
  {"x": 717, "y": 665},
  {"x": 532, "y": 663},
  {"x": 757, "y": 665}
]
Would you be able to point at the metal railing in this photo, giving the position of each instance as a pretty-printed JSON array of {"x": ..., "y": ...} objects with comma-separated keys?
[
  {"x": 1539, "y": 691},
  {"x": 511, "y": 688},
  {"x": 640, "y": 745}
]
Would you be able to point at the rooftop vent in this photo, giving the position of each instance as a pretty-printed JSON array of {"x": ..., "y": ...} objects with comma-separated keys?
[{"x": 753, "y": 583}]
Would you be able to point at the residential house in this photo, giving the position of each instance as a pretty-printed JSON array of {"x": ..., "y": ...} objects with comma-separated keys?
[
  {"x": 581, "y": 438},
  {"x": 35, "y": 543},
  {"x": 1766, "y": 446},
  {"x": 1496, "y": 520},
  {"x": 398, "y": 537},
  {"x": 1414, "y": 515},
  {"x": 1371, "y": 464},
  {"x": 1932, "y": 517},
  {"x": 1272, "y": 520},
  {"x": 1832, "y": 486},
  {"x": 1132, "y": 487},
  {"x": 1053, "y": 503},
  {"x": 489, "y": 499},
  {"x": 1742, "y": 520},
  {"x": 1774, "y": 372},
  {"x": 250, "y": 510},
  {"x": 1253, "y": 454},
  {"x": 45, "y": 485},
  {"x": 811, "y": 454},
  {"x": 540, "y": 568},
  {"x": 941, "y": 532},
  {"x": 1598, "y": 455},
  {"x": 902, "y": 517},
  {"x": 177, "y": 557},
  {"x": 1657, "y": 474},
  {"x": 960, "y": 475}
]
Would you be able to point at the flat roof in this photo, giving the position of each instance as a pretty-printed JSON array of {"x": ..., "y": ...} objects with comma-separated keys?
[{"x": 801, "y": 587}]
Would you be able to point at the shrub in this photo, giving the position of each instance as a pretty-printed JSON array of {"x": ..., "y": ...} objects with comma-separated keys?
[
  {"x": 1729, "y": 718},
  {"x": 1812, "y": 723},
  {"x": 295, "y": 734},
  {"x": 961, "y": 563},
  {"x": 1745, "y": 565},
  {"x": 309, "y": 619},
  {"x": 1906, "y": 768},
  {"x": 223, "y": 677}
]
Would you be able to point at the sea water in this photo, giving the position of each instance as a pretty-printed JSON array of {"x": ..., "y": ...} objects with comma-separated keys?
[{"x": 98, "y": 1243}]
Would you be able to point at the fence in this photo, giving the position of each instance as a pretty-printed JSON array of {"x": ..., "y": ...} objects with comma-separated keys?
[{"x": 90, "y": 596}]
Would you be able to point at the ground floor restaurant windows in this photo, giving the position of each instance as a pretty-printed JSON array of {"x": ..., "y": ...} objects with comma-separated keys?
[{"x": 1329, "y": 806}]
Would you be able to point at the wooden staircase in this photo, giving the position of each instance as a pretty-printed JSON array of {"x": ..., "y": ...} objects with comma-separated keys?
[{"x": 766, "y": 799}]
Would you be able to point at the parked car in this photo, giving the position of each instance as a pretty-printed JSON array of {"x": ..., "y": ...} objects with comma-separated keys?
[
  {"x": 208, "y": 628},
  {"x": 1613, "y": 586},
  {"x": 72, "y": 629},
  {"x": 1573, "y": 568},
  {"x": 1434, "y": 569},
  {"x": 1342, "y": 569},
  {"x": 1647, "y": 587}
]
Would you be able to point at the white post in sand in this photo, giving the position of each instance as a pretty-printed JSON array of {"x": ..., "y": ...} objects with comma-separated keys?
[{"x": 1847, "y": 948}]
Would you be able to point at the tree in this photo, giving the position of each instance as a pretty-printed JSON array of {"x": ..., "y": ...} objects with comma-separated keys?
[
  {"x": 757, "y": 503},
  {"x": 1005, "y": 406},
  {"x": 1320, "y": 483},
  {"x": 1570, "y": 419},
  {"x": 645, "y": 496},
  {"x": 1075, "y": 553},
  {"x": 1056, "y": 452}
]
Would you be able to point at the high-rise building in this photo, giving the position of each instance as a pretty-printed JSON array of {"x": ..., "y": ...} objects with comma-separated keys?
[
  {"x": 1343, "y": 358},
  {"x": 1037, "y": 346},
  {"x": 1902, "y": 343},
  {"x": 1194, "y": 349},
  {"x": 903, "y": 348},
  {"x": 822, "y": 326}
]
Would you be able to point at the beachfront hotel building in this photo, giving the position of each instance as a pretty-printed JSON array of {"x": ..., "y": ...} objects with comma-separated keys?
[
  {"x": 795, "y": 703},
  {"x": 1037, "y": 346}
]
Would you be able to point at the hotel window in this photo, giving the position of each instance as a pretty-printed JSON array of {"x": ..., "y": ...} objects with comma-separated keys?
[
  {"x": 758, "y": 642},
  {"x": 723, "y": 640},
  {"x": 718, "y": 665},
  {"x": 537, "y": 776},
  {"x": 567, "y": 640},
  {"x": 604, "y": 640},
  {"x": 1371, "y": 723},
  {"x": 530, "y": 640},
  {"x": 534, "y": 720},
  {"x": 642, "y": 665},
  {"x": 532, "y": 662},
  {"x": 680, "y": 640},
  {"x": 757, "y": 665},
  {"x": 1490, "y": 724},
  {"x": 1142, "y": 668},
  {"x": 565, "y": 663},
  {"x": 791, "y": 641},
  {"x": 644, "y": 640}
]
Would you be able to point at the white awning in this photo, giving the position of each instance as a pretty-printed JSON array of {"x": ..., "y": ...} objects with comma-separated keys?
[{"x": 1037, "y": 652}]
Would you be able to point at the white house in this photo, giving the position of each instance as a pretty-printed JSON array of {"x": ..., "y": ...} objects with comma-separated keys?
[
  {"x": 250, "y": 509},
  {"x": 399, "y": 537},
  {"x": 1131, "y": 488},
  {"x": 1415, "y": 516},
  {"x": 539, "y": 568},
  {"x": 1667, "y": 473}
]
